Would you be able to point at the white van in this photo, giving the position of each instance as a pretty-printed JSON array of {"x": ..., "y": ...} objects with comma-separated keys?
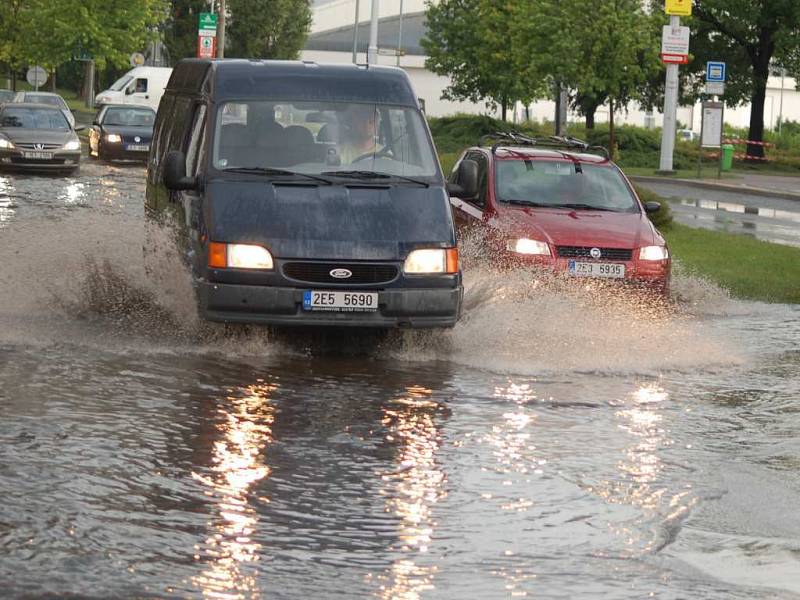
[{"x": 140, "y": 85}]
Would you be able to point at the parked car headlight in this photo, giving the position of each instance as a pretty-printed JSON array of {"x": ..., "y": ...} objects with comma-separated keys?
[
  {"x": 113, "y": 138},
  {"x": 6, "y": 144},
  {"x": 239, "y": 256},
  {"x": 527, "y": 246},
  {"x": 431, "y": 260},
  {"x": 654, "y": 253},
  {"x": 72, "y": 145}
]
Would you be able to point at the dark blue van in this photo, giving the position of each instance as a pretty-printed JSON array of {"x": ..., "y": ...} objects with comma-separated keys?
[{"x": 305, "y": 194}]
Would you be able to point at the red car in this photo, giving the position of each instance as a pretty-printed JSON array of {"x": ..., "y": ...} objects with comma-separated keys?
[{"x": 556, "y": 202}]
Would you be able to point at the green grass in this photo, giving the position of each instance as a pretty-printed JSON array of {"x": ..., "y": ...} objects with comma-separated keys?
[
  {"x": 708, "y": 172},
  {"x": 749, "y": 268}
]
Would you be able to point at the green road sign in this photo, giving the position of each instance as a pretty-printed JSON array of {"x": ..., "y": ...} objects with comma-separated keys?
[{"x": 208, "y": 22}]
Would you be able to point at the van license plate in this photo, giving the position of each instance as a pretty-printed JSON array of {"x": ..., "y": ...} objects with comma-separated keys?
[
  {"x": 340, "y": 301},
  {"x": 38, "y": 155},
  {"x": 590, "y": 269}
]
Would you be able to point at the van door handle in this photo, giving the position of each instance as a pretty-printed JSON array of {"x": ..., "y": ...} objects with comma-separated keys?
[{"x": 147, "y": 97}]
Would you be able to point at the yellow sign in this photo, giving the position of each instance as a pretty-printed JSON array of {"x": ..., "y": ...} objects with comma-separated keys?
[{"x": 679, "y": 8}]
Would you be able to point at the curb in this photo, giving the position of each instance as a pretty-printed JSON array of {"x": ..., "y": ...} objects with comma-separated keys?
[{"x": 720, "y": 187}]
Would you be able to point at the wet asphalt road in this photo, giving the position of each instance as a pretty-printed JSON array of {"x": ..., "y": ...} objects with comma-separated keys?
[
  {"x": 559, "y": 443},
  {"x": 770, "y": 219}
]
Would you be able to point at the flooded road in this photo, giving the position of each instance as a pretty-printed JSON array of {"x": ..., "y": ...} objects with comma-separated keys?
[
  {"x": 735, "y": 211},
  {"x": 560, "y": 442}
]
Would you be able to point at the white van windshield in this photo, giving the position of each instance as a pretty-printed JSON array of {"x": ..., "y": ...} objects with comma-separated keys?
[
  {"x": 323, "y": 137},
  {"x": 120, "y": 83}
]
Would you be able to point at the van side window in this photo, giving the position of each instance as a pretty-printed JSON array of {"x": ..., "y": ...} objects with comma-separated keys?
[
  {"x": 141, "y": 85},
  {"x": 195, "y": 139}
]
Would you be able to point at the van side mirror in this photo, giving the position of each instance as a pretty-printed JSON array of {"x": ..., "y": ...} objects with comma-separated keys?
[
  {"x": 652, "y": 207},
  {"x": 129, "y": 90},
  {"x": 175, "y": 172},
  {"x": 467, "y": 186}
]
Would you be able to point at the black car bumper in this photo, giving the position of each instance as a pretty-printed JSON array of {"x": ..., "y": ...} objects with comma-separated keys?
[
  {"x": 413, "y": 308},
  {"x": 60, "y": 160}
]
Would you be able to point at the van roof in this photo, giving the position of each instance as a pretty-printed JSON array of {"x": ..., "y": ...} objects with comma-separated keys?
[{"x": 295, "y": 80}]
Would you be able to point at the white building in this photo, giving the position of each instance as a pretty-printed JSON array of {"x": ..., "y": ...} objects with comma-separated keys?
[{"x": 331, "y": 40}]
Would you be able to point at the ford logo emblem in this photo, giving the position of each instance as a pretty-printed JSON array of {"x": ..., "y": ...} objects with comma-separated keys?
[
  {"x": 595, "y": 253},
  {"x": 341, "y": 273}
]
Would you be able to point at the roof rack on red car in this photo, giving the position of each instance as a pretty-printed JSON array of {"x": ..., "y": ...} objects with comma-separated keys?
[{"x": 554, "y": 142}]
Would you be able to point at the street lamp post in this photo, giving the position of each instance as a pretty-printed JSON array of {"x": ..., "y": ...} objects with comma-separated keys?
[
  {"x": 355, "y": 33},
  {"x": 372, "y": 51}
]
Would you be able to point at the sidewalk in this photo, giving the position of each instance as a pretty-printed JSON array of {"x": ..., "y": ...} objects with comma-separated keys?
[{"x": 775, "y": 186}]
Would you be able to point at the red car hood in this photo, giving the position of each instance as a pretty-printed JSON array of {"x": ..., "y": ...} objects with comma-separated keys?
[{"x": 561, "y": 227}]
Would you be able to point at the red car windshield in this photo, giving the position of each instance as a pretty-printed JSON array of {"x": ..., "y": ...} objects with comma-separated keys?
[{"x": 555, "y": 183}]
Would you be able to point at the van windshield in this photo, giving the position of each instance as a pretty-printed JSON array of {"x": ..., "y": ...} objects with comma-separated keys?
[
  {"x": 121, "y": 83},
  {"x": 323, "y": 137}
]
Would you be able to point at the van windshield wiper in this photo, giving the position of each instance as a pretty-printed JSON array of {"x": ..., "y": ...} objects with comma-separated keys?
[
  {"x": 373, "y": 175},
  {"x": 267, "y": 171},
  {"x": 585, "y": 207}
]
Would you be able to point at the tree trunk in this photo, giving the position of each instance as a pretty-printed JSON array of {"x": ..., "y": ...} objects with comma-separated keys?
[
  {"x": 590, "y": 117},
  {"x": 757, "y": 102},
  {"x": 612, "y": 142},
  {"x": 14, "y": 79},
  {"x": 503, "y": 111}
]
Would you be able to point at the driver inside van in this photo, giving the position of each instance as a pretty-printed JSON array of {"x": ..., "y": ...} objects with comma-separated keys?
[{"x": 359, "y": 133}]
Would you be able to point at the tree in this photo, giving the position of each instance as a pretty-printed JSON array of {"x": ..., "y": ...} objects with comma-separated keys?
[
  {"x": 607, "y": 53},
  {"x": 180, "y": 31},
  {"x": 267, "y": 28},
  {"x": 751, "y": 37},
  {"x": 470, "y": 41}
]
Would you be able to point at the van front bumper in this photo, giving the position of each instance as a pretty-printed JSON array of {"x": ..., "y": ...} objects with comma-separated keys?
[{"x": 269, "y": 305}]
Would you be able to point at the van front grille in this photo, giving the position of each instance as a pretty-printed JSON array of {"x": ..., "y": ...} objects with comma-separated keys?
[
  {"x": 586, "y": 252},
  {"x": 320, "y": 272}
]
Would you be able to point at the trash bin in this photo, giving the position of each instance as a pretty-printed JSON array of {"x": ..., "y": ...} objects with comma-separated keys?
[{"x": 727, "y": 157}]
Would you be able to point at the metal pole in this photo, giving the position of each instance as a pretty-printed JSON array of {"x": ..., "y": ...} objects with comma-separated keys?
[
  {"x": 400, "y": 34},
  {"x": 780, "y": 110},
  {"x": 372, "y": 51},
  {"x": 355, "y": 33},
  {"x": 670, "y": 110},
  {"x": 221, "y": 30}
]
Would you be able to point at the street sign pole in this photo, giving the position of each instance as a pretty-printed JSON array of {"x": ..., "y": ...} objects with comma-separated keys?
[
  {"x": 668, "y": 131},
  {"x": 372, "y": 50}
]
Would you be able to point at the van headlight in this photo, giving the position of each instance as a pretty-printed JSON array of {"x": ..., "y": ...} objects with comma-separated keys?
[
  {"x": 239, "y": 256},
  {"x": 429, "y": 261},
  {"x": 528, "y": 246},
  {"x": 72, "y": 145},
  {"x": 653, "y": 253},
  {"x": 113, "y": 138}
]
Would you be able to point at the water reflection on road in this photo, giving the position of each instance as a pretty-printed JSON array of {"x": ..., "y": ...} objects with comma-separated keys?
[{"x": 550, "y": 446}]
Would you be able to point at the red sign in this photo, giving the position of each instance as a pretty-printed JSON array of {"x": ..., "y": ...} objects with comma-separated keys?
[
  {"x": 675, "y": 59},
  {"x": 206, "y": 46}
]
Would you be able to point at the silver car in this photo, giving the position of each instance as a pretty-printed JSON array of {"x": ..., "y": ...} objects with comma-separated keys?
[
  {"x": 37, "y": 137},
  {"x": 47, "y": 98}
]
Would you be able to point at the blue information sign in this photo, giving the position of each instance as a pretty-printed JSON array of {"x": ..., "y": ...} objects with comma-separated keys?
[{"x": 715, "y": 72}]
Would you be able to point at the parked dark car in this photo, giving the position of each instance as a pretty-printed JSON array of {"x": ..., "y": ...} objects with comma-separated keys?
[
  {"x": 122, "y": 131},
  {"x": 37, "y": 137},
  {"x": 286, "y": 220},
  {"x": 47, "y": 98}
]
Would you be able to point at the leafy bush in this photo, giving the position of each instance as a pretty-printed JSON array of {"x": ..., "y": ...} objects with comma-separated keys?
[{"x": 661, "y": 219}]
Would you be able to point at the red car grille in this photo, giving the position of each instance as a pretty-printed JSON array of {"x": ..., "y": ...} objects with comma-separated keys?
[
  {"x": 312, "y": 272},
  {"x": 586, "y": 252}
]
